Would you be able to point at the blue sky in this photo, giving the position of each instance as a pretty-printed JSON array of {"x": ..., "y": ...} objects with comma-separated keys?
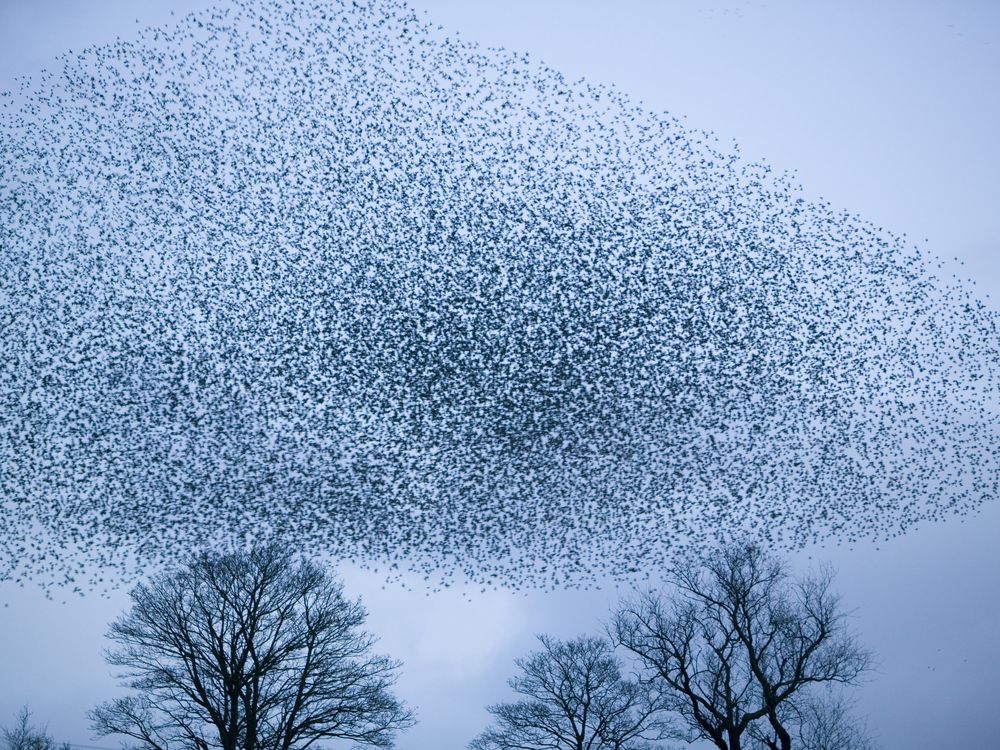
[{"x": 886, "y": 111}]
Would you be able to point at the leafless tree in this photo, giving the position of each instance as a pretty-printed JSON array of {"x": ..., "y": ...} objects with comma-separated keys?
[
  {"x": 818, "y": 721},
  {"x": 249, "y": 651},
  {"x": 739, "y": 643},
  {"x": 575, "y": 699},
  {"x": 24, "y": 735}
]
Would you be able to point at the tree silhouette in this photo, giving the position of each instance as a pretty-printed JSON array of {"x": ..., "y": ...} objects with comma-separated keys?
[
  {"x": 24, "y": 735},
  {"x": 249, "y": 651},
  {"x": 575, "y": 699},
  {"x": 818, "y": 721},
  {"x": 739, "y": 644}
]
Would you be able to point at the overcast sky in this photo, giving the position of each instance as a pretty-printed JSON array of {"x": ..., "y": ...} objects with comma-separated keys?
[{"x": 887, "y": 111}]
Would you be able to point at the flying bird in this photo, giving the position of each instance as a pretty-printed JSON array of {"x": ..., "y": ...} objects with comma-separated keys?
[{"x": 307, "y": 270}]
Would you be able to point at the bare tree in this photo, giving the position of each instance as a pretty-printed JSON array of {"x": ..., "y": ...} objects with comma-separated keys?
[
  {"x": 576, "y": 699},
  {"x": 820, "y": 722},
  {"x": 739, "y": 642},
  {"x": 24, "y": 735},
  {"x": 249, "y": 651}
]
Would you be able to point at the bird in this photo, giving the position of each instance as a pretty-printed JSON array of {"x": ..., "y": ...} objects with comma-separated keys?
[{"x": 311, "y": 272}]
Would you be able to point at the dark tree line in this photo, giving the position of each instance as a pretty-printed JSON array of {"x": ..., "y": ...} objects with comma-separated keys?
[{"x": 260, "y": 650}]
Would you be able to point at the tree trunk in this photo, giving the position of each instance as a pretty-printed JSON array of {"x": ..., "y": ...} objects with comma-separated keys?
[{"x": 784, "y": 738}]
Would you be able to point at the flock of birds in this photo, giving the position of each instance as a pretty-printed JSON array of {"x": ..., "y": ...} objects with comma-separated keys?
[{"x": 314, "y": 271}]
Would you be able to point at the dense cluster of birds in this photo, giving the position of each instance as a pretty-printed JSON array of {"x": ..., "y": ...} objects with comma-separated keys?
[{"x": 314, "y": 271}]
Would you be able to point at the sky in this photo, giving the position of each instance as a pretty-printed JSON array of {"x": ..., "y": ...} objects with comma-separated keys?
[{"x": 887, "y": 110}]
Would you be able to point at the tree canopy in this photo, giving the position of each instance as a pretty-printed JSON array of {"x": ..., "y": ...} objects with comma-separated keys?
[
  {"x": 575, "y": 698},
  {"x": 250, "y": 650},
  {"x": 738, "y": 645}
]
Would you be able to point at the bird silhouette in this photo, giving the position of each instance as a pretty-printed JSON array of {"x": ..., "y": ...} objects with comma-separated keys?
[{"x": 312, "y": 271}]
